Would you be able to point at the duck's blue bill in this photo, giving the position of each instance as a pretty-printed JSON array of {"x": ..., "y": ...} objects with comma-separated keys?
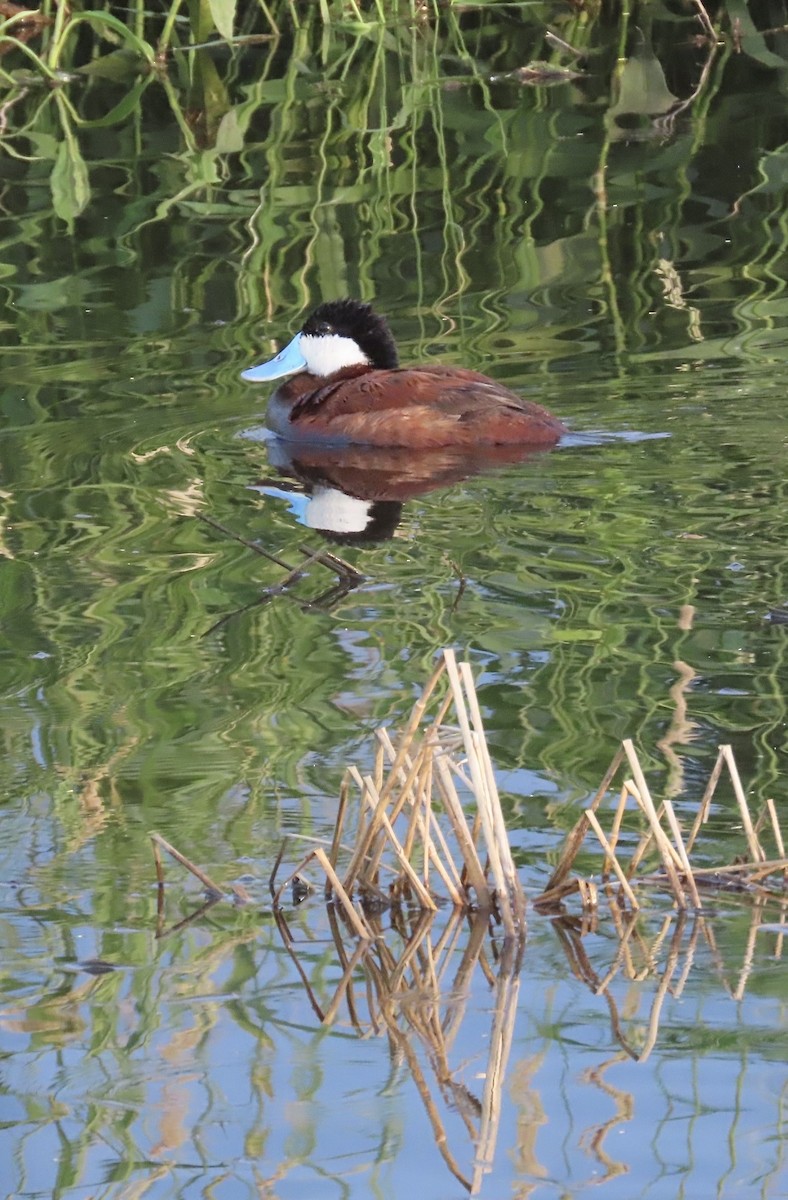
[{"x": 287, "y": 362}]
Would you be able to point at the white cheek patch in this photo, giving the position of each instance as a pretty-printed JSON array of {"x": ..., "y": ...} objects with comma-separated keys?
[{"x": 330, "y": 352}]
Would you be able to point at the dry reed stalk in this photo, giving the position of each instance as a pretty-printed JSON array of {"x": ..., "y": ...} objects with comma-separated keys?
[
  {"x": 663, "y": 845},
  {"x": 756, "y": 850},
  {"x": 380, "y": 755},
  {"x": 647, "y": 804},
  {"x": 577, "y": 835},
  {"x": 418, "y": 824},
  {"x": 682, "y": 850},
  {"x": 758, "y": 871},
  {"x": 610, "y": 856},
  {"x": 360, "y": 927},
  {"x": 439, "y": 847},
  {"x": 644, "y": 845},
  {"x": 761, "y": 821},
  {"x": 336, "y": 841},
  {"x": 667, "y": 839},
  {"x": 509, "y": 895},
  {"x": 555, "y": 896},
  {"x": 467, "y": 782},
  {"x": 491, "y": 812},
  {"x": 454, "y": 811},
  {"x": 366, "y": 833},
  {"x": 415, "y": 719},
  {"x": 588, "y": 893},
  {"x": 777, "y": 832},
  {"x": 159, "y": 841},
  {"x": 371, "y": 844},
  {"x": 610, "y": 859},
  {"x": 705, "y": 803},
  {"x": 157, "y": 859},
  {"x": 414, "y": 779},
  {"x": 363, "y": 843},
  {"x": 413, "y": 775},
  {"x": 500, "y": 836},
  {"x": 377, "y": 803},
  {"x": 455, "y": 894}
]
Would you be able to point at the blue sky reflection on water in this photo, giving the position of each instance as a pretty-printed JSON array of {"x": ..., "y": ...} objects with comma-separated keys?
[{"x": 249, "y": 1087}]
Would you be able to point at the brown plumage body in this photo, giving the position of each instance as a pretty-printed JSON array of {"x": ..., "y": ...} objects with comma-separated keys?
[{"x": 420, "y": 407}]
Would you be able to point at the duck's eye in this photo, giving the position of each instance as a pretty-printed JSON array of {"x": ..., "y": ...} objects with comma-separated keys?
[{"x": 324, "y": 328}]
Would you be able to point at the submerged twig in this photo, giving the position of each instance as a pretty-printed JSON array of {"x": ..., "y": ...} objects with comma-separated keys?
[{"x": 158, "y": 841}]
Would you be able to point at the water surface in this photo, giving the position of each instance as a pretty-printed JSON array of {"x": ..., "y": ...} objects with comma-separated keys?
[{"x": 623, "y": 267}]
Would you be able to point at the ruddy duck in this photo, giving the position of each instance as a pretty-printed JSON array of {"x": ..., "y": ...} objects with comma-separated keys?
[{"x": 351, "y": 389}]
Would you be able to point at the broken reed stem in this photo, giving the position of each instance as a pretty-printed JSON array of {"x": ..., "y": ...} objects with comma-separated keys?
[
  {"x": 364, "y": 843},
  {"x": 445, "y": 865},
  {"x": 756, "y": 870},
  {"x": 611, "y": 855},
  {"x": 159, "y": 864},
  {"x": 756, "y": 850},
  {"x": 473, "y": 866},
  {"x": 677, "y": 838},
  {"x": 336, "y": 841},
  {"x": 577, "y": 835},
  {"x": 507, "y": 886},
  {"x": 672, "y": 848},
  {"x": 665, "y": 848},
  {"x": 705, "y": 803},
  {"x": 380, "y": 817},
  {"x": 360, "y": 926},
  {"x": 205, "y": 879},
  {"x": 500, "y": 832},
  {"x": 778, "y": 837},
  {"x": 642, "y": 848}
]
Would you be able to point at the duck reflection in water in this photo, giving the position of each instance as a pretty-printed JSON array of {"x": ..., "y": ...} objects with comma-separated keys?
[{"x": 356, "y": 494}]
